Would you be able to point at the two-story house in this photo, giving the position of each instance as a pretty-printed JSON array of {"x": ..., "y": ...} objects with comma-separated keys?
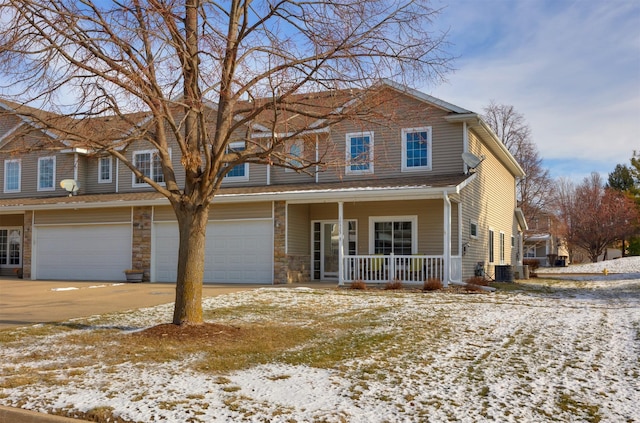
[{"x": 404, "y": 203}]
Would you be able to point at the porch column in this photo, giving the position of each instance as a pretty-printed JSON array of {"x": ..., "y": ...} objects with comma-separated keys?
[
  {"x": 340, "y": 243},
  {"x": 447, "y": 240}
]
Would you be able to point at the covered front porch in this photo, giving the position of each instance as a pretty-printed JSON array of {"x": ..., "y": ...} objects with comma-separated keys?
[{"x": 375, "y": 240}]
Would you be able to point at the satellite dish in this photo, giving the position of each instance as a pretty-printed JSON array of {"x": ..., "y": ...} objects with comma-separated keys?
[
  {"x": 471, "y": 160},
  {"x": 70, "y": 185}
]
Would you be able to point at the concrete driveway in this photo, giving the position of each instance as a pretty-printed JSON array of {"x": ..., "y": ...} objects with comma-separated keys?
[{"x": 24, "y": 302}]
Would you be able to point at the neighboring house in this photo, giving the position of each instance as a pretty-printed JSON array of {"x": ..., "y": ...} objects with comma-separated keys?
[
  {"x": 403, "y": 206},
  {"x": 540, "y": 243}
]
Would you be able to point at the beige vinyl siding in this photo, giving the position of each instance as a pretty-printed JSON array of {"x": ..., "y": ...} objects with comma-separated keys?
[
  {"x": 430, "y": 215},
  {"x": 8, "y": 124},
  {"x": 401, "y": 113},
  {"x": 93, "y": 166},
  {"x": 11, "y": 219},
  {"x": 490, "y": 201},
  {"x": 259, "y": 210},
  {"x": 29, "y": 173},
  {"x": 104, "y": 215},
  {"x": 298, "y": 229}
]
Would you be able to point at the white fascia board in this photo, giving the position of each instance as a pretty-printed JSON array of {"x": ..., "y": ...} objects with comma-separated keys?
[
  {"x": 521, "y": 219},
  {"x": 268, "y": 134},
  {"x": 474, "y": 120},
  {"x": 4, "y": 139},
  {"x": 84, "y": 151},
  {"x": 424, "y": 97}
]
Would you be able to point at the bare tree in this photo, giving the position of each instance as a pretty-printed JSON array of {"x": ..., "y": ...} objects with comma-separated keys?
[
  {"x": 595, "y": 216},
  {"x": 204, "y": 72},
  {"x": 512, "y": 129}
]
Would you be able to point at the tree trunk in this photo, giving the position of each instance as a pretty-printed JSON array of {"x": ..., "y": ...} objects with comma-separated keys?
[{"x": 192, "y": 223}]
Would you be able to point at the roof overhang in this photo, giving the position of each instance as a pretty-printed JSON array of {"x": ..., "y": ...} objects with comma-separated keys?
[
  {"x": 474, "y": 121},
  {"x": 521, "y": 219}
]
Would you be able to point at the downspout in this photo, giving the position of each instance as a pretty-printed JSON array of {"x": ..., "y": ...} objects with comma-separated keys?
[
  {"x": 447, "y": 240},
  {"x": 75, "y": 167},
  {"x": 317, "y": 158},
  {"x": 340, "y": 243},
  {"x": 117, "y": 175}
]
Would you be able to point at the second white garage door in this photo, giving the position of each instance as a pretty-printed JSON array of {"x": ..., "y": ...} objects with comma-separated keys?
[
  {"x": 236, "y": 252},
  {"x": 83, "y": 252}
]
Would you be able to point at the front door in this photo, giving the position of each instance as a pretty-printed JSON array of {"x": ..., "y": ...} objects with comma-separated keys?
[{"x": 326, "y": 247}]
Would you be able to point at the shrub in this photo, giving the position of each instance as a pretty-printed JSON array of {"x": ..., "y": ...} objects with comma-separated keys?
[
  {"x": 477, "y": 280},
  {"x": 469, "y": 287},
  {"x": 394, "y": 284},
  {"x": 432, "y": 284},
  {"x": 359, "y": 284}
]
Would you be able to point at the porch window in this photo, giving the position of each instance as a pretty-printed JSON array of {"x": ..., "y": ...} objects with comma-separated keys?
[
  {"x": 491, "y": 254},
  {"x": 10, "y": 246},
  {"x": 46, "y": 173},
  {"x": 473, "y": 229},
  {"x": 149, "y": 163},
  {"x": 416, "y": 149},
  {"x": 104, "y": 170},
  {"x": 394, "y": 235},
  {"x": 530, "y": 251},
  {"x": 359, "y": 151},
  {"x": 12, "y": 175},
  {"x": 239, "y": 172}
]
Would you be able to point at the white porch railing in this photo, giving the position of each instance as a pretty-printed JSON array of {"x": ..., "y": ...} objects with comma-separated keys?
[{"x": 383, "y": 268}]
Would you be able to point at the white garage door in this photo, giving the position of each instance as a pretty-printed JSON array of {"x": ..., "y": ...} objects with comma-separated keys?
[
  {"x": 236, "y": 252},
  {"x": 83, "y": 252}
]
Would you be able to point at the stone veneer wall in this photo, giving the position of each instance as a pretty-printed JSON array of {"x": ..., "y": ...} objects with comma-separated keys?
[
  {"x": 279, "y": 236},
  {"x": 141, "y": 248},
  {"x": 298, "y": 268},
  {"x": 27, "y": 235}
]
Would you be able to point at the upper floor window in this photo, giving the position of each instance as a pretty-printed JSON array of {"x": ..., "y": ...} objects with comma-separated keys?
[
  {"x": 239, "y": 172},
  {"x": 416, "y": 149},
  {"x": 359, "y": 151},
  {"x": 473, "y": 229},
  {"x": 294, "y": 153},
  {"x": 148, "y": 162},
  {"x": 12, "y": 175},
  {"x": 104, "y": 170},
  {"x": 46, "y": 173}
]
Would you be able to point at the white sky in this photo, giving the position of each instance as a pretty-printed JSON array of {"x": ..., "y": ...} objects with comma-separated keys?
[{"x": 571, "y": 67}]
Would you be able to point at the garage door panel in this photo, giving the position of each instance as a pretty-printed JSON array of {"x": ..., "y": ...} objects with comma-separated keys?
[
  {"x": 83, "y": 252},
  {"x": 235, "y": 252}
]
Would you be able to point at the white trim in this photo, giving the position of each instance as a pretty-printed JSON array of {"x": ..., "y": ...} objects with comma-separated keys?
[
  {"x": 502, "y": 247},
  {"x": 410, "y": 218},
  {"x": 105, "y": 181},
  {"x": 348, "y": 157},
  {"x": 245, "y": 177},
  {"x": 404, "y": 133},
  {"x": 53, "y": 185},
  {"x": 289, "y": 157},
  {"x": 6, "y": 162},
  {"x": 151, "y": 176},
  {"x": 472, "y": 223}
]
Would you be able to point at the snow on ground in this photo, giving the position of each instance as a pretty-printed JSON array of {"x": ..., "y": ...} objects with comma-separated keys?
[
  {"x": 622, "y": 268},
  {"x": 553, "y": 354}
]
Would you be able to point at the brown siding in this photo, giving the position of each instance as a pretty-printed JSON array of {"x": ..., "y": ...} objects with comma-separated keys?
[
  {"x": 221, "y": 212},
  {"x": 299, "y": 229},
  {"x": 104, "y": 215},
  {"x": 11, "y": 219},
  {"x": 429, "y": 212}
]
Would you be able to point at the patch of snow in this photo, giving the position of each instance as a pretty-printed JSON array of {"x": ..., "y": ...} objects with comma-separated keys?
[
  {"x": 71, "y": 288},
  {"x": 622, "y": 268}
]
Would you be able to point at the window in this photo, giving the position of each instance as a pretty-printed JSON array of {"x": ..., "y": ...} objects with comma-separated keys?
[
  {"x": 295, "y": 150},
  {"x": 46, "y": 173},
  {"x": 397, "y": 235},
  {"x": 10, "y": 246},
  {"x": 491, "y": 256},
  {"x": 238, "y": 172},
  {"x": 502, "y": 247},
  {"x": 148, "y": 162},
  {"x": 530, "y": 251},
  {"x": 12, "y": 175},
  {"x": 104, "y": 170},
  {"x": 359, "y": 151},
  {"x": 416, "y": 149},
  {"x": 473, "y": 229}
]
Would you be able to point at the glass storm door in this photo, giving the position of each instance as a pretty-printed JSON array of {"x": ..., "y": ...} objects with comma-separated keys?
[{"x": 326, "y": 247}]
